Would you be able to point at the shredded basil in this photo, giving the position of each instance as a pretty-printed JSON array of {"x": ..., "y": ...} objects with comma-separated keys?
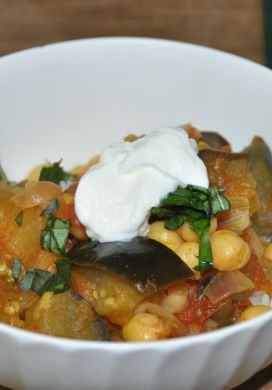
[
  {"x": 56, "y": 174},
  {"x": 174, "y": 222},
  {"x": 16, "y": 268},
  {"x": 55, "y": 235},
  {"x": 196, "y": 205},
  {"x": 51, "y": 208},
  {"x": 41, "y": 281},
  {"x": 19, "y": 218},
  {"x": 218, "y": 201}
]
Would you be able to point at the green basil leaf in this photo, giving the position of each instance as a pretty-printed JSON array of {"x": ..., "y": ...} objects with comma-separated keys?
[
  {"x": 16, "y": 268},
  {"x": 55, "y": 235},
  {"x": 51, "y": 208},
  {"x": 174, "y": 222},
  {"x": 161, "y": 212},
  {"x": 218, "y": 201},
  {"x": 194, "y": 215},
  {"x": 64, "y": 270},
  {"x": 56, "y": 174},
  {"x": 41, "y": 281},
  {"x": 200, "y": 190},
  {"x": 186, "y": 197},
  {"x": 27, "y": 280},
  {"x": 205, "y": 252},
  {"x": 201, "y": 227},
  {"x": 198, "y": 205},
  {"x": 19, "y": 218}
]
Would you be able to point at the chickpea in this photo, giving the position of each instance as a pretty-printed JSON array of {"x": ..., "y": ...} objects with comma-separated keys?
[
  {"x": 268, "y": 252},
  {"x": 230, "y": 251},
  {"x": 175, "y": 298},
  {"x": 188, "y": 234},
  {"x": 188, "y": 252},
  {"x": 146, "y": 327},
  {"x": 253, "y": 311},
  {"x": 169, "y": 238}
]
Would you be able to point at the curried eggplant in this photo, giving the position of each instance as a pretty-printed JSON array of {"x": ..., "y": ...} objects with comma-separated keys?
[
  {"x": 145, "y": 262},
  {"x": 214, "y": 139},
  {"x": 64, "y": 315},
  {"x": 260, "y": 165},
  {"x": 230, "y": 171}
]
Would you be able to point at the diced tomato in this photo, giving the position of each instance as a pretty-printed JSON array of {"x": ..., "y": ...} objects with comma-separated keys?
[
  {"x": 198, "y": 310},
  {"x": 254, "y": 271},
  {"x": 67, "y": 211}
]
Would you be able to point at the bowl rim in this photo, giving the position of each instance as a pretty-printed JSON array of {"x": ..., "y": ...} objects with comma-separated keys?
[
  {"x": 180, "y": 342},
  {"x": 136, "y": 41},
  {"x": 119, "y": 346}
]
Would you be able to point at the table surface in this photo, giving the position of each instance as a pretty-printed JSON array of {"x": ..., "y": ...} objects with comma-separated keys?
[{"x": 230, "y": 25}]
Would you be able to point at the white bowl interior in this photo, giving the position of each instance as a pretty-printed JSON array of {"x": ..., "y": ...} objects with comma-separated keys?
[{"x": 69, "y": 100}]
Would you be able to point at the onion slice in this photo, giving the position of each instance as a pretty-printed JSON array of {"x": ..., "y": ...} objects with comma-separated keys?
[
  {"x": 35, "y": 194},
  {"x": 225, "y": 284},
  {"x": 237, "y": 219}
]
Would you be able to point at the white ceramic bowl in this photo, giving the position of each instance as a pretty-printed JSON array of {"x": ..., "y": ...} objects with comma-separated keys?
[{"x": 68, "y": 101}]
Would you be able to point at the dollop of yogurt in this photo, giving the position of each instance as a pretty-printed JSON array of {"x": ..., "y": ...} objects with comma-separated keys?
[{"x": 114, "y": 198}]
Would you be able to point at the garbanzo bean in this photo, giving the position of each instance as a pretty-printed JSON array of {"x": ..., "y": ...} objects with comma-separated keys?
[
  {"x": 188, "y": 252},
  {"x": 146, "y": 327},
  {"x": 188, "y": 234},
  {"x": 169, "y": 238},
  {"x": 253, "y": 311},
  {"x": 175, "y": 298},
  {"x": 230, "y": 251}
]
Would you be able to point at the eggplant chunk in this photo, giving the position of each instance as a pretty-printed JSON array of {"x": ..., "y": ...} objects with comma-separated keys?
[
  {"x": 114, "y": 297},
  {"x": 214, "y": 139},
  {"x": 260, "y": 165},
  {"x": 230, "y": 171},
  {"x": 148, "y": 264},
  {"x": 64, "y": 315}
]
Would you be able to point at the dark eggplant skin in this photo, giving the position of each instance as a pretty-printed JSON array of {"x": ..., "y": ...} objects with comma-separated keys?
[
  {"x": 214, "y": 139},
  {"x": 260, "y": 166},
  {"x": 146, "y": 263}
]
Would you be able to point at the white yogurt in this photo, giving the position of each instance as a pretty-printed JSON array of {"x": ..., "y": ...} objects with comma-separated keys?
[{"x": 114, "y": 198}]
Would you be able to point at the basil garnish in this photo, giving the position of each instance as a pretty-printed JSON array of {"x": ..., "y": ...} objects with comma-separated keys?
[
  {"x": 55, "y": 235},
  {"x": 197, "y": 205},
  {"x": 41, "y": 281},
  {"x": 56, "y": 174}
]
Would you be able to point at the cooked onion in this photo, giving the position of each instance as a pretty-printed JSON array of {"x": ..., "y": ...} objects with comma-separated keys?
[
  {"x": 7, "y": 191},
  {"x": 256, "y": 245},
  {"x": 225, "y": 284},
  {"x": 237, "y": 219},
  {"x": 35, "y": 194}
]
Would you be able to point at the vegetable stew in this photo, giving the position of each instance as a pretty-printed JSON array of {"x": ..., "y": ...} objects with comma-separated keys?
[{"x": 205, "y": 263}]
